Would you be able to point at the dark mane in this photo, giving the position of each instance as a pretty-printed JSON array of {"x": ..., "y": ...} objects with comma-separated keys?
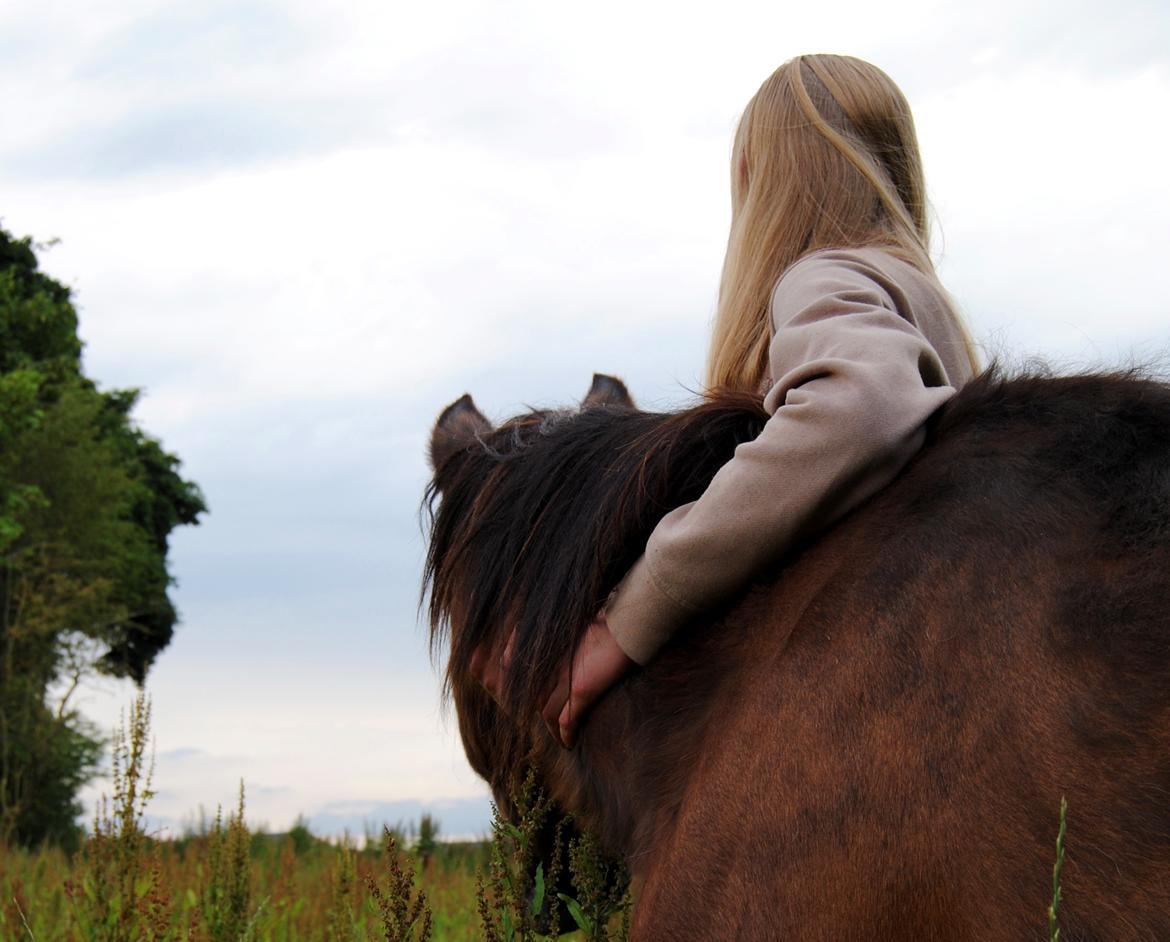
[{"x": 540, "y": 519}]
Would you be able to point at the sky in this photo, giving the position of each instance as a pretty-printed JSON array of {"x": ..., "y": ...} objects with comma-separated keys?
[{"x": 302, "y": 229}]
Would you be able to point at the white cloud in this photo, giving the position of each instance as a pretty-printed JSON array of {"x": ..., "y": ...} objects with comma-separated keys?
[{"x": 1054, "y": 209}]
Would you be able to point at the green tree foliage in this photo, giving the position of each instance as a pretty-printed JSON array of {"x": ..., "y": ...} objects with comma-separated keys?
[{"x": 87, "y": 505}]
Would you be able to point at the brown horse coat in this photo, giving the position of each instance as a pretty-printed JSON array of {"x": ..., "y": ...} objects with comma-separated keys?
[{"x": 874, "y": 741}]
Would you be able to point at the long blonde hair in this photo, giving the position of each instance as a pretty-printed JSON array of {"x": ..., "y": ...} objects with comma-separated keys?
[{"x": 825, "y": 156}]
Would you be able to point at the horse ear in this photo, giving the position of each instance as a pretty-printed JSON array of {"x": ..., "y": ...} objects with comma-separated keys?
[
  {"x": 607, "y": 391},
  {"x": 460, "y": 424}
]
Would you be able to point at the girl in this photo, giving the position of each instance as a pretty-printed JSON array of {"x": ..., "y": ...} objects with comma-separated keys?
[{"x": 830, "y": 306}]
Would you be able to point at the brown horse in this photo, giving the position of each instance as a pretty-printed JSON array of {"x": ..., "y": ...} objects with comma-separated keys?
[{"x": 873, "y": 742}]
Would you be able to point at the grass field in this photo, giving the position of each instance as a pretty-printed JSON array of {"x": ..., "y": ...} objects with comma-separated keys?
[
  {"x": 228, "y": 885},
  {"x": 234, "y": 886}
]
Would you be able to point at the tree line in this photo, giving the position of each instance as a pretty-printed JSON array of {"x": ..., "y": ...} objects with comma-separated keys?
[{"x": 88, "y": 501}]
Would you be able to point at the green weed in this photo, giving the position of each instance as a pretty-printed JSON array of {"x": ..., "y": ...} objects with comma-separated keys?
[
  {"x": 117, "y": 893},
  {"x": 515, "y": 890},
  {"x": 405, "y": 916},
  {"x": 1053, "y": 928},
  {"x": 227, "y": 894}
]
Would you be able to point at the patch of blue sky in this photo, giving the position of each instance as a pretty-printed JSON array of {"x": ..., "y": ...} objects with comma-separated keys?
[{"x": 186, "y": 44}]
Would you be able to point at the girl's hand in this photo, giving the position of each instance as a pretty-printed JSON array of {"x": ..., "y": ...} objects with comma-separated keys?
[
  {"x": 489, "y": 671},
  {"x": 598, "y": 663}
]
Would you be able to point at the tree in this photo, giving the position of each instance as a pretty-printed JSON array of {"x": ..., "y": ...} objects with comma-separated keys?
[{"x": 87, "y": 505}]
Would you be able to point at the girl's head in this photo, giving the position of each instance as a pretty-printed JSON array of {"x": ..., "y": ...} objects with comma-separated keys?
[{"x": 825, "y": 156}]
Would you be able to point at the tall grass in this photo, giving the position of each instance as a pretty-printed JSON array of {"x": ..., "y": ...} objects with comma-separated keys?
[
  {"x": 518, "y": 901},
  {"x": 405, "y": 915},
  {"x": 227, "y": 884},
  {"x": 117, "y": 893},
  {"x": 1053, "y": 909}
]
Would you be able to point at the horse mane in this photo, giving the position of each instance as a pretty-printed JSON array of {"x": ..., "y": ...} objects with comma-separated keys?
[{"x": 540, "y": 518}]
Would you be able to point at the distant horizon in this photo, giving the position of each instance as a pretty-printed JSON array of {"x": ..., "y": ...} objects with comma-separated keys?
[{"x": 459, "y": 821}]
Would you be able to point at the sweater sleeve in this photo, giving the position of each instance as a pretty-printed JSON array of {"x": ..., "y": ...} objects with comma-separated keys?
[{"x": 854, "y": 383}]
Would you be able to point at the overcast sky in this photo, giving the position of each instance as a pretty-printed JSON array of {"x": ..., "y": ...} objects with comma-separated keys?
[{"x": 304, "y": 228}]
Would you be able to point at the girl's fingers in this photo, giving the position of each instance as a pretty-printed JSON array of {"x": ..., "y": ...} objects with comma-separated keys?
[
  {"x": 556, "y": 702},
  {"x": 488, "y": 670},
  {"x": 478, "y": 663},
  {"x": 509, "y": 648},
  {"x": 490, "y": 678},
  {"x": 567, "y": 729}
]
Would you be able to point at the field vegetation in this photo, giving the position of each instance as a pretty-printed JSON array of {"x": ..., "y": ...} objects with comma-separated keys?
[{"x": 227, "y": 884}]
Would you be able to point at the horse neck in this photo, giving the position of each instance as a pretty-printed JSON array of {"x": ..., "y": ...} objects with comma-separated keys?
[{"x": 641, "y": 745}]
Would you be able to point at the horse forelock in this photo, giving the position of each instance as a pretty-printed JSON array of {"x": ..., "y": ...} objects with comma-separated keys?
[{"x": 532, "y": 527}]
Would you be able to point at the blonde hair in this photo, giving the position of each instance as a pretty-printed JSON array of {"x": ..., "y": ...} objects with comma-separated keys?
[{"x": 825, "y": 156}]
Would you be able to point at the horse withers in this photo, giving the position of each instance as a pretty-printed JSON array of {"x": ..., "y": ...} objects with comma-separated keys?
[{"x": 874, "y": 740}]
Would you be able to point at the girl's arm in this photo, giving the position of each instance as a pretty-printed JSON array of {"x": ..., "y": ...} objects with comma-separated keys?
[{"x": 855, "y": 381}]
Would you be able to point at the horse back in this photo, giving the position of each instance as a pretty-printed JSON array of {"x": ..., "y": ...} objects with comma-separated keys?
[{"x": 908, "y": 701}]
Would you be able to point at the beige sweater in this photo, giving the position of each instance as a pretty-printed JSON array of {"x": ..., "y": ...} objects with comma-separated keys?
[{"x": 864, "y": 349}]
